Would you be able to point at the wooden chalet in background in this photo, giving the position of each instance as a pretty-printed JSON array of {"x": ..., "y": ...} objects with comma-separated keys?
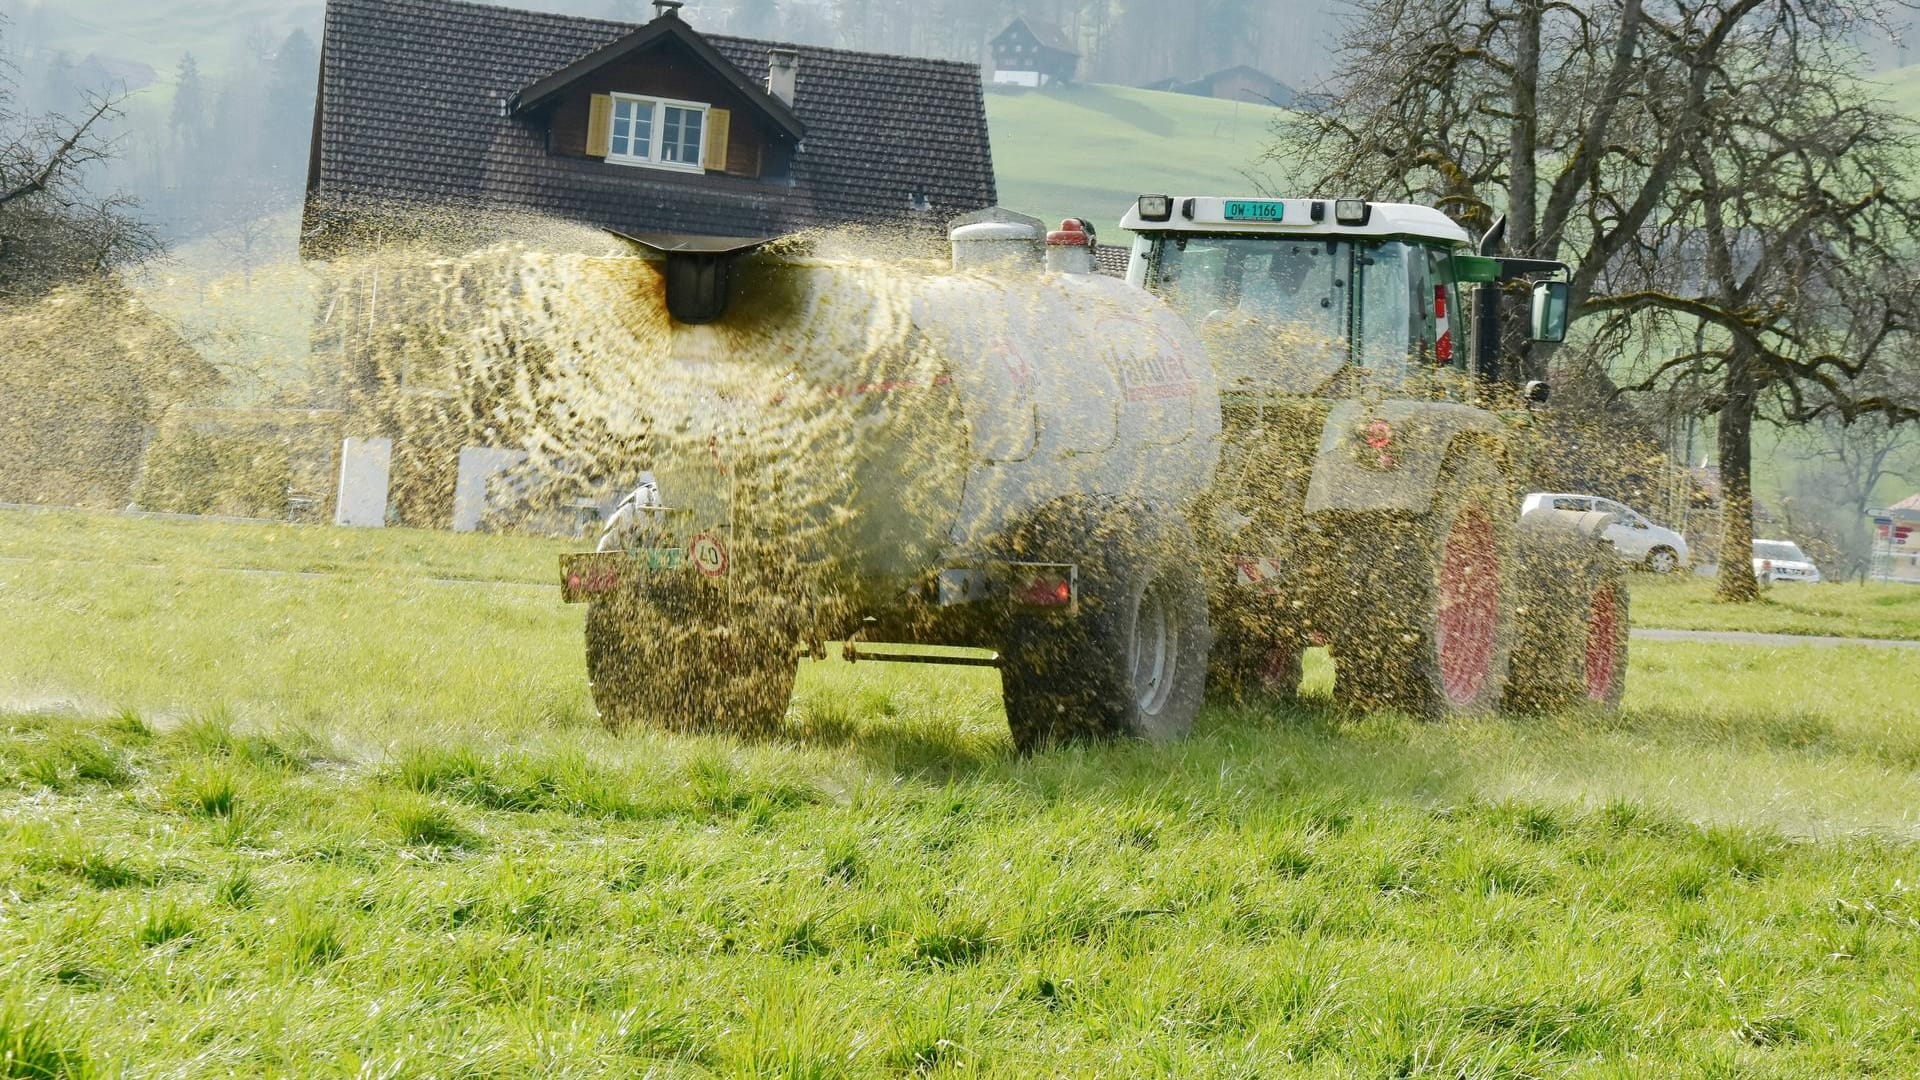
[
  {"x": 1033, "y": 54},
  {"x": 644, "y": 129},
  {"x": 1237, "y": 83}
]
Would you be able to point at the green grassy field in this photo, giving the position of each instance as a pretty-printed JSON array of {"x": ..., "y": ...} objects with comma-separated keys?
[
  {"x": 1833, "y": 609},
  {"x": 1088, "y": 150},
  {"x": 365, "y": 823}
]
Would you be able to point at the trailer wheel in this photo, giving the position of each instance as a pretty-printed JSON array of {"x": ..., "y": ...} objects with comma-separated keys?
[
  {"x": 1570, "y": 642},
  {"x": 656, "y": 663},
  {"x": 1132, "y": 662},
  {"x": 1432, "y": 637}
]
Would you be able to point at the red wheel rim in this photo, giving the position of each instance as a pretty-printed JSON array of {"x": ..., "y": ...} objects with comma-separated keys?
[
  {"x": 1276, "y": 671},
  {"x": 1603, "y": 640},
  {"x": 1469, "y": 606}
]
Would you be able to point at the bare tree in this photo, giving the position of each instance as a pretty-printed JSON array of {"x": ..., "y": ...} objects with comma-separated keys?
[
  {"x": 1571, "y": 120},
  {"x": 1781, "y": 246},
  {"x": 1838, "y": 469},
  {"x": 51, "y": 229}
]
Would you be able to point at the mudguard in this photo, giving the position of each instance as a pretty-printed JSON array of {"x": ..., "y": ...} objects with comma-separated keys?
[{"x": 1387, "y": 455}]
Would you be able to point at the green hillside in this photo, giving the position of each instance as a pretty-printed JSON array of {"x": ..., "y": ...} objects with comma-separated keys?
[{"x": 1088, "y": 150}]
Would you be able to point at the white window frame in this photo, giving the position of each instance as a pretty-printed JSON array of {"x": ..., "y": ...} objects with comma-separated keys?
[{"x": 657, "y": 132}]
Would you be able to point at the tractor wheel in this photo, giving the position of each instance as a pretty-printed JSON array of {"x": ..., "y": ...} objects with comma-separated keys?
[
  {"x": 1132, "y": 661},
  {"x": 1252, "y": 665},
  {"x": 653, "y": 663},
  {"x": 1432, "y": 637},
  {"x": 1570, "y": 643}
]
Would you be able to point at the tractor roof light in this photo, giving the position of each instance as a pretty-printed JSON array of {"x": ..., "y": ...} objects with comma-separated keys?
[
  {"x": 1352, "y": 211},
  {"x": 1156, "y": 207}
]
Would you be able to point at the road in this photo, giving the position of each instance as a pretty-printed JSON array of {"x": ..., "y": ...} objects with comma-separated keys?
[{"x": 1741, "y": 637}]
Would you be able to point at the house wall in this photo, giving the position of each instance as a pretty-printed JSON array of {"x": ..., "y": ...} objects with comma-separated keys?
[{"x": 670, "y": 71}]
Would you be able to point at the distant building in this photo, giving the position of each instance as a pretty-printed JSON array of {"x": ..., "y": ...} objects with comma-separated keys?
[
  {"x": 650, "y": 128},
  {"x": 1237, "y": 83},
  {"x": 1033, "y": 54},
  {"x": 1896, "y": 542}
]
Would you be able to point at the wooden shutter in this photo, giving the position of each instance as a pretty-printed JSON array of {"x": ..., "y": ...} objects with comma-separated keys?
[
  {"x": 600, "y": 125},
  {"x": 719, "y": 125}
]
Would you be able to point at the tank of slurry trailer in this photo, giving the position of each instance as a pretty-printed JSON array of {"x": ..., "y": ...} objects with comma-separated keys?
[{"x": 893, "y": 420}]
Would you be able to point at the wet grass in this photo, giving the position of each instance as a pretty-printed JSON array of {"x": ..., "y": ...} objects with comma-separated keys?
[
  {"x": 1834, "y": 609},
  {"x": 335, "y": 825}
]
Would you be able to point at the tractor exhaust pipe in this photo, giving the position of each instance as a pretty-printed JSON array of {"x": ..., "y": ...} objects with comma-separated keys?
[{"x": 1486, "y": 308}]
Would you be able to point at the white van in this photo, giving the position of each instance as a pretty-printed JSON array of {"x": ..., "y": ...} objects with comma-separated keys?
[
  {"x": 1782, "y": 560},
  {"x": 1638, "y": 540}
]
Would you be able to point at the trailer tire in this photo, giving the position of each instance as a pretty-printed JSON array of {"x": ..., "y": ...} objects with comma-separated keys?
[
  {"x": 1132, "y": 661},
  {"x": 653, "y": 663},
  {"x": 1433, "y": 636}
]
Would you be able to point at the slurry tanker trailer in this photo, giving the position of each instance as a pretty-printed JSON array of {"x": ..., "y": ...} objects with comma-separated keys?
[{"x": 1123, "y": 494}]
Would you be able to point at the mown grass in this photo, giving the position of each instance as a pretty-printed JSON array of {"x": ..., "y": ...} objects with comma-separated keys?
[
  {"x": 355, "y": 824},
  {"x": 1832, "y": 609}
]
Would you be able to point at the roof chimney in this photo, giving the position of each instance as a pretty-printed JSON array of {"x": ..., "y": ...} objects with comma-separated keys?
[
  {"x": 783, "y": 70},
  {"x": 663, "y": 9}
]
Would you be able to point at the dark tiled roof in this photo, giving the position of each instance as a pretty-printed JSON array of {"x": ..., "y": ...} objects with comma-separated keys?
[{"x": 411, "y": 110}]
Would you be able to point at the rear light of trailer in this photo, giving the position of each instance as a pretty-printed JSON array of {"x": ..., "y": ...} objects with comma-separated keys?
[{"x": 1044, "y": 586}]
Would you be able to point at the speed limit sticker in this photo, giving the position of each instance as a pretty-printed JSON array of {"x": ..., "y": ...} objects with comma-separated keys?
[{"x": 708, "y": 554}]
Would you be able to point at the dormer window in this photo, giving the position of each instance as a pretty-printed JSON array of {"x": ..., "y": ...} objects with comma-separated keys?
[{"x": 658, "y": 133}]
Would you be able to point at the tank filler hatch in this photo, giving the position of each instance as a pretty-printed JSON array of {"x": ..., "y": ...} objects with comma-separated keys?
[{"x": 699, "y": 270}]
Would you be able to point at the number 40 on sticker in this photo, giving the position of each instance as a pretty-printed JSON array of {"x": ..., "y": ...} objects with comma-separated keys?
[{"x": 708, "y": 554}]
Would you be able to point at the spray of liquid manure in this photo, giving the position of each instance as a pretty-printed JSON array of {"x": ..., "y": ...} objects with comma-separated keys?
[{"x": 1131, "y": 499}]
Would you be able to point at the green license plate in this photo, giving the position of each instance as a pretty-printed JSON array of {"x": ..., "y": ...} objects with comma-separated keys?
[{"x": 1238, "y": 210}]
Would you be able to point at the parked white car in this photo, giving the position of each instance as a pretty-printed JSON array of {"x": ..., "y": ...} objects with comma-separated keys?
[
  {"x": 1638, "y": 540},
  {"x": 1782, "y": 560}
]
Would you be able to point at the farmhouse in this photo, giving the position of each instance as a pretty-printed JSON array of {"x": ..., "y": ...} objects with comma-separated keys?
[
  {"x": 1033, "y": 54},
  {"x": 643, "y": 129},
  {"x": 1237, "y": 83}
]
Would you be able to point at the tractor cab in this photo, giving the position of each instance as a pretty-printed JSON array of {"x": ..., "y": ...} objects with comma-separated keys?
[{"x": 1294, "y": 296}]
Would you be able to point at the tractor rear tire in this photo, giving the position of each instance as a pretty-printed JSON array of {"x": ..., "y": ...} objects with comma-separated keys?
[
  {"x": 1571, "y": 644},
  {"x": 1132, "y": 661},
  {"x": 1254, "y": 663},
  {"x": 1432, "y": 636},
  {"x": 694, "y": 672}
]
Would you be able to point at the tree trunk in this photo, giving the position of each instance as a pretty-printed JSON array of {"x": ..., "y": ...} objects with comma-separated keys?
[
  {"x": 1736, "y": 583},
  {"x": 1522, "y": 360}
]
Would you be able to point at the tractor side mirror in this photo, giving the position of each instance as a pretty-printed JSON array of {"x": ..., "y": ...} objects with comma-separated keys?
[{"x": 1550, "y": 311}]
